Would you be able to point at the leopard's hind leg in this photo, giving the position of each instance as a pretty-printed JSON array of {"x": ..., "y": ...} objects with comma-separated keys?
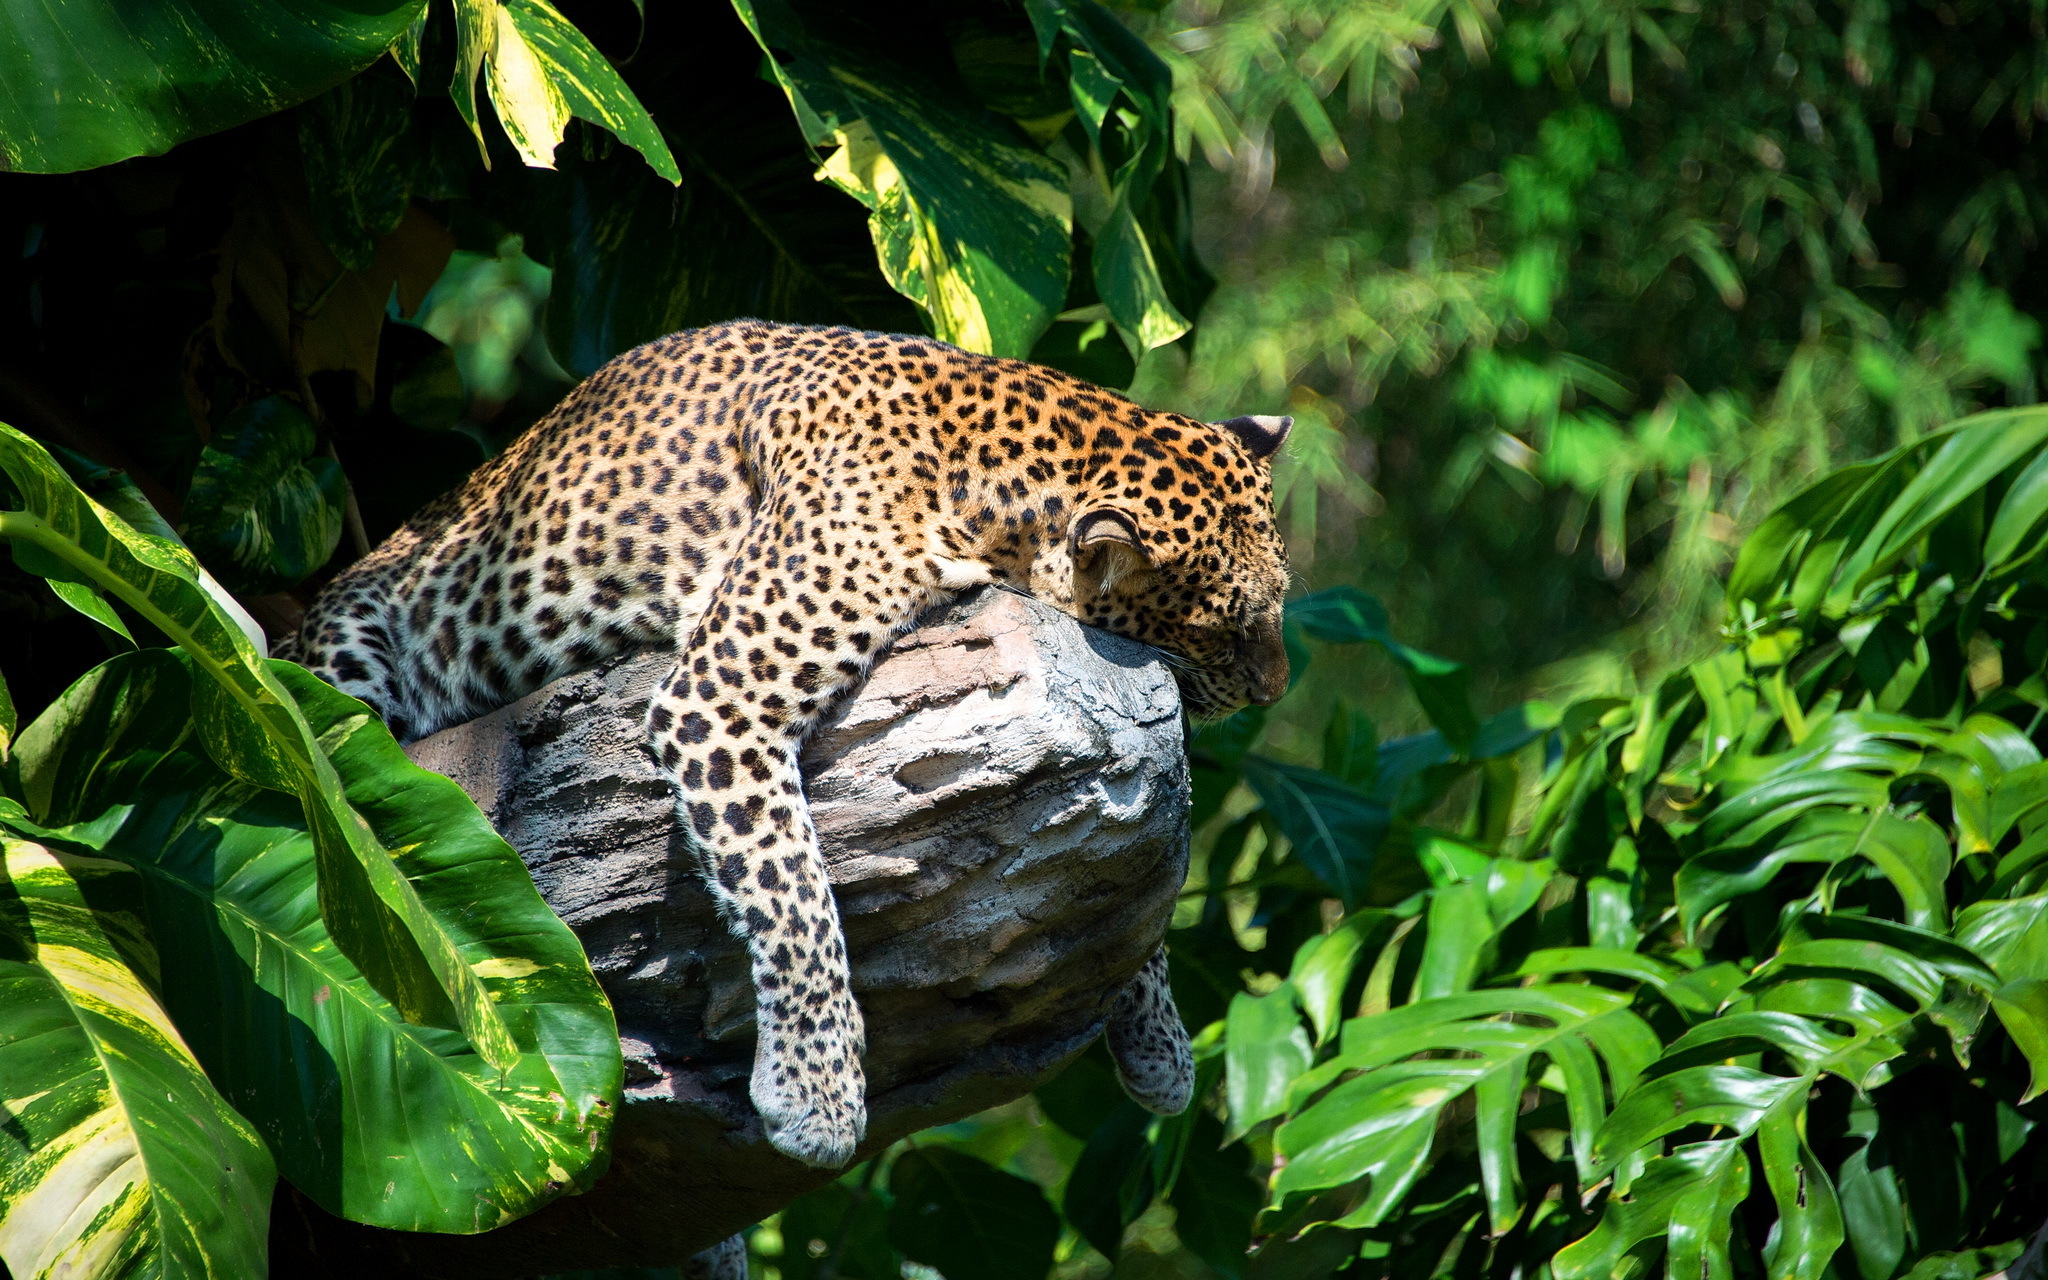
[
  {"x": 1148, "y": 1043},
  {"x": 349, "y": 641}
]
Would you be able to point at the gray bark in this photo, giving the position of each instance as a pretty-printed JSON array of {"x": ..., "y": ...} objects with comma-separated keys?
[{"x": 1003, "y": 809}]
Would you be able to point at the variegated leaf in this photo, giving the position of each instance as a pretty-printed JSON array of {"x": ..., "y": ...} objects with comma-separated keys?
[
  {"x": 117, "y": 1155},
  {"x": 968, "y": 223},
  {"x": 541, "y": 72},
  {"x": 256, "y": 731}
]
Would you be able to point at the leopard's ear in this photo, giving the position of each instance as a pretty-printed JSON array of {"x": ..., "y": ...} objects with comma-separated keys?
[
  {"x": 1262, "y": 434},
  {"x": 1108, "y": 549}
]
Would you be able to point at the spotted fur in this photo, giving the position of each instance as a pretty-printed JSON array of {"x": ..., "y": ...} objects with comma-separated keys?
[{"x": 780, "y": 503}]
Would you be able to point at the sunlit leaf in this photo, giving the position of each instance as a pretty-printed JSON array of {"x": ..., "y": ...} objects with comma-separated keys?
[
  {"x": 255, "y": 729},
  {"x": 120, "y": 1157},
  {"x": 968, "y": 223},
  {"x": 1265, "y": 1048},
  {"x": 542, "y": 72},
  {"x": 327, "y": 1070}
]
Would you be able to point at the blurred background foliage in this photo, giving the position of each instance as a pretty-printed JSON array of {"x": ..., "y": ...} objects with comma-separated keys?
[{"x": 1566, "y": 298}]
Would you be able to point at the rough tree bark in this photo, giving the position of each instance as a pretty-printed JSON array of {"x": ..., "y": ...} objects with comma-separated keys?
[{"x": 1004, "y": 812}]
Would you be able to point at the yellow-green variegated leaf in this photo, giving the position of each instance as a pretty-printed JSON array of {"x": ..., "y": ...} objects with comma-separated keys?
[
  {"x": 541, "y": 72},
  {"x": 1108, "y": 67},
  {"x": 377, "y": 1119},
  {"x": 117, "y": 1157},
  {"x": 256, "y": 731},
  {"x": 969, "y": 223}
]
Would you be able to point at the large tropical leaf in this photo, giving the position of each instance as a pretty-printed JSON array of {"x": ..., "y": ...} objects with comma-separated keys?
[
  {"x": 967, "y": 1218},
  {"x": 91, "y": 83},
  {"x": 1828, "y": 545},
  {"x": 376, "y": 1118},
  {"x": 1120, "y": 88},
  {"x": 750, "y": 232},
  {"x": 542, "y": 72},
  {"x": 1382, "y": 1121},
  {"x": 119, "y": 1156},
  {"x": 253, "y": 728},
  {"x": 970, "y": 221}
]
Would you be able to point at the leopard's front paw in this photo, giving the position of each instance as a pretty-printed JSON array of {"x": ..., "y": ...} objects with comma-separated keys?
[{"x": 808, "y": 1084}]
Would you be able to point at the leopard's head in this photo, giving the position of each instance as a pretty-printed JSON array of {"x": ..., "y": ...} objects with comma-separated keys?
[{"x": 1176, "y": 544}]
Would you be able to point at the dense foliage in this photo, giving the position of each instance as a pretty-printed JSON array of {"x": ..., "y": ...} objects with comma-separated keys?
[
  {"x": 1569, "y": 295},
  {"x": 1721, "y": 962},
  {"x": 246, "y": 937}
]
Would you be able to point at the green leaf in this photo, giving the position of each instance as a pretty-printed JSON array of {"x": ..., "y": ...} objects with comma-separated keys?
[
  {"x": 1912, "y": 853},
  {"x": 267, "y": 508},
  {"x": 1320, "y": 976},
  {"x": 1691, "y": 1196},
  {"x": 377, "y": 1119},
  {"x": 1379, "y": 1126},
  {"x": 542, "y": 72},
  {"x": 1655, "y": 974},
  {"x": 1795, "y": 532},
  {"x": 1736, "y": 1097},
  {"x": 1346, "y": 615},
  {"x": 1121, "y": 93},
  {"x": 2022, "y": 1008},
  {"x": 113, "y": 489},
  {"x": 360, "y": 157},
  {"x": 2020, "y": 513},
  {"x": 1809, "y": 1212},
  {"x": 847, "y": 1224},
  {"x": 1379, "y": 1123},
  {"x": 968, "y": 223},
  {"x": 93, "y": 605},
  {"x": 1334, "y": 830},
  {"x": 1873, "y": 1214},
  {"x": 748, "y": 233},
  {"x": 959, "y": 1215},
  {"x": 255, "y": 730},
  {"x": 94, "y": 84},
  {"x": 2010, "y": 933},
  {"x": 1264, "y": 1049},
  {"x": 1974, "y": 452},
  {"x": 120, "y": 1157},
  {"x": 1110, "y": 1183}
]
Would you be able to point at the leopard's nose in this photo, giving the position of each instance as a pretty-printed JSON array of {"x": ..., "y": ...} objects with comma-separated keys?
[{"x": 1269, "y": 682}]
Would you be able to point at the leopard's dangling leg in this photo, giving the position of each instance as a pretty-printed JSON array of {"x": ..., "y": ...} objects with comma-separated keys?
[
  {"x": 726, "y": 1260},
  {"x": 1148, "y": 1043},
  {"x": 766, "y": 661}
]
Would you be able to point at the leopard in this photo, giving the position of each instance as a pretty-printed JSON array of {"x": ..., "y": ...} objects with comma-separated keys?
[{"x": 778, "y": 503}]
